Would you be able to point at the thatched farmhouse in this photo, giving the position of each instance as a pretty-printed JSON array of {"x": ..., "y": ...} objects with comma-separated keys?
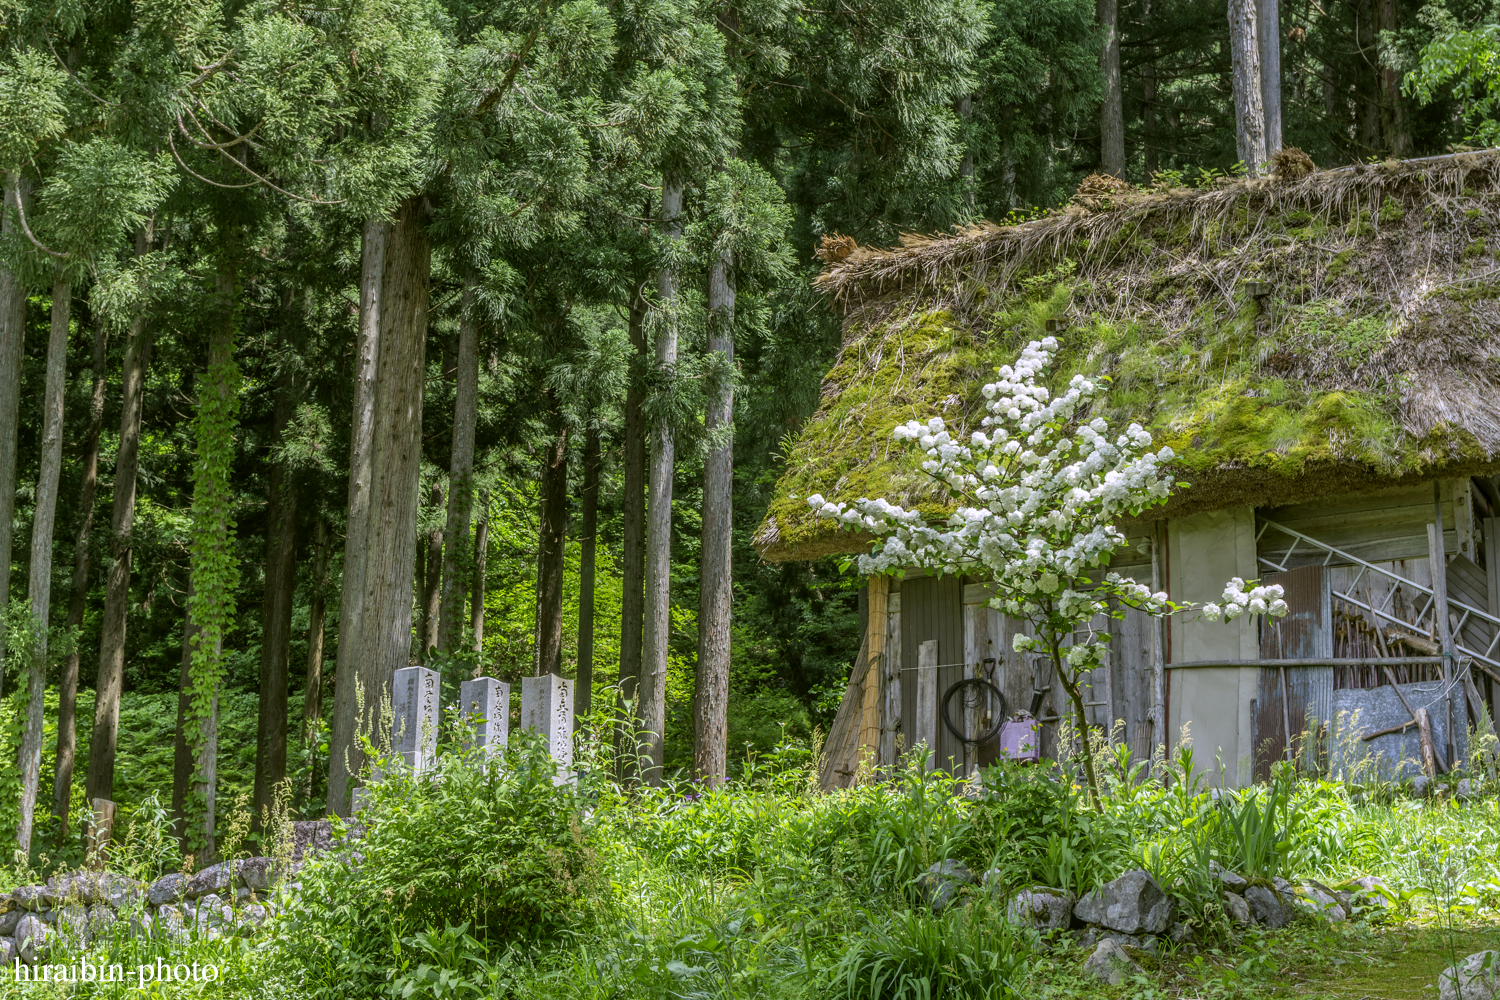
[{"x": 1322, "y": 351}]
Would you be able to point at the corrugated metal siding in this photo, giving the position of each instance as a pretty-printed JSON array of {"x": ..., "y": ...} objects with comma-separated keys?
[
  {"x": 1305, "y": 633},
  {"x": 932, "y": 608}
]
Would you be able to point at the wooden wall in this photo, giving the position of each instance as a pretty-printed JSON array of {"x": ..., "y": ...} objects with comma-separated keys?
[{"x": 931, "y": 610}]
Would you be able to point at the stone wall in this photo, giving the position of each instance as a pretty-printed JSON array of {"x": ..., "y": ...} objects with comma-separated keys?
[{"x": 76, "y": 908}]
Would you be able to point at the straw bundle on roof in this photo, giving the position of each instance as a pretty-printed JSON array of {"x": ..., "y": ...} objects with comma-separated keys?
[{"x": 1289, "y": 338}]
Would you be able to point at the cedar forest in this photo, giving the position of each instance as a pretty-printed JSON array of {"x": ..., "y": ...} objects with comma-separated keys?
[{"x": 334, "y": 338}]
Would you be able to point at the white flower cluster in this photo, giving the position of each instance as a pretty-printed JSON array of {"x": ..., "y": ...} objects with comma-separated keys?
[
  {"x": 1038, "y": 490},
  {"x": 1038, "y": 493},
  {"x": 1259, "y": 601}
]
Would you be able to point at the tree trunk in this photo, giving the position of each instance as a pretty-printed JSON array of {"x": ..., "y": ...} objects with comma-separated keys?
[
  {"x": 432, "y": 581},
  {"x": 215, "y": 570},
  {"x": 100, "y": 783},
  {"x": 1367, "y": 79},
  {"x": 1394, "y": 126},
  {"x": 551, "y": 549},
  {"x": 1268, "y": 42},
  {"x": 633, "y": 510},
  {"x": 653, "y": 686},
  {"x": 1150, "y": 141},
  {"x": 12, "y": 342},
  {"x": 715, "y": 588},
  {"x": 182, "y": 752},
  {"x": 1249, "y": 114},
  {"x": 276, "y": 619},
  {"x": 39, "y": 589},
  {"x": 481, "y": 561},
  {"x": 965, "y": 111},
  {"x": 317, "y": 616},
  {"x": 1112, "y": 110},
  {"x": 67, "y": 708},
  {"x": 587, "y": 542},
  {"x": 352, "y": 587},
  {"x": 383, "y": 640},
  {"x": 460, "y": 476}
]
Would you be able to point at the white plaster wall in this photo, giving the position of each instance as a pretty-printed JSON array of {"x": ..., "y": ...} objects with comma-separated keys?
[{"x": 1203, "y": 552}]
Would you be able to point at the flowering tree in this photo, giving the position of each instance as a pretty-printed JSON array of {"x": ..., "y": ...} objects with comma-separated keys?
[{"x": 1037, "y": 491}]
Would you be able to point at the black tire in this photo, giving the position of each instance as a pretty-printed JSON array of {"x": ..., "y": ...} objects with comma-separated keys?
[{"x": 974, "y": 688}]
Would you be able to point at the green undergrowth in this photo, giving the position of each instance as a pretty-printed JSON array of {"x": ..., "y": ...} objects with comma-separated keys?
[{"x": 489, "y": 881}]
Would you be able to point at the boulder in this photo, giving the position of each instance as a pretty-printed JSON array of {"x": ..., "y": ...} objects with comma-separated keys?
[
  {"x": 101, "y": 919},
  {"x": 309, "y": 837},
  {"x": 1232, "y": 881},
  {"x": 1475, "y": 978},
  {"x": 72, "y": 924},
  {"x": 213, "y": 912},
  {"x": 1237, "y": 909},
  {"x": 7, "y": 951},
  {"x": 1320, "y": 902},
  {"x": 1092, "y": 936},
  {"x": 167, "y": 889},
  {"x": 250, "y": 918},
  {"x": 32, "y": 938},
  {"x": 1464, "y": 789},
  {"x": 30, "y": 897},
  {"x": 213, "y": 879},
  {"x": 1110, "y": 964},
  {"x": 119, "y": 891},
  {"x": 73, "y": 887},
  {"x": 1420, "y": 786},
  {"x": 1044, "y": 909},
  {"x": 169, "y": 923},
  {"x": 1370, "y": 890},
  {"x": 1265, "y": 906},
  {"x": 938, "y": 886},
  {"x": 143, "y": 924},
  {"x": 1181, "y": 932},
  {"x": 8, "y": 921},
  {"x": 258, "y": 874},
  {"x": 1131, "y": 904}
]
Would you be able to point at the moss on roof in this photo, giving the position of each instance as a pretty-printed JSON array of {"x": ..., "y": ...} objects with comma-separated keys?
[{"x": 1372, "y": 357}]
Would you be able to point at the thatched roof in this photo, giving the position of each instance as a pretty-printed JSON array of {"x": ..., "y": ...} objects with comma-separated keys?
[{"x": 1369, "y": 354}]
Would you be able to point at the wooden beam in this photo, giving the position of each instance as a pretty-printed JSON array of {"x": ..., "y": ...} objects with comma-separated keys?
[{"x": 869, "y": 728}]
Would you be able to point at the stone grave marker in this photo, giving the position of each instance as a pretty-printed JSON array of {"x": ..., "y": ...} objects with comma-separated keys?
[
  {"x": 547, "y": 707},
  {"x": 486, "y": 702},
  {"x": 414, "y": 725}
]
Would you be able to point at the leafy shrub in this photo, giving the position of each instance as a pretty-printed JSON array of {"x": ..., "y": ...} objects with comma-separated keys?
[
  {"x": 491, "y": 846},
  {"x": 1035, "y": 827}
]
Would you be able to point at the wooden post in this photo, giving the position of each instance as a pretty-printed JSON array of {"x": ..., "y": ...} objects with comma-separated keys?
[
  {"x": 926, "y": 728},
  {"x": 1429, "y": 752},
  {"x": 1158, "y": 652},
  {"x": 101, "y": 830},
  {"x": 890, "y": 723},
  {"x": 869, "y": 724},
  {"x": 1440, "y": 612}
]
